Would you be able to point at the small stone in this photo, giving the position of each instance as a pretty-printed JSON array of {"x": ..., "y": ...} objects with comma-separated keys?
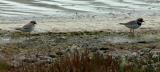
[
  {"x": 134, "y": 54},
  {"x": 45, "y": 59},
  {"x": 52, "y": 55},
  {"x": 29, "y": 60},
  {"x": 104, "y": 49},
  {"x": 145, "y": 51},
  {"x": 142, "y": 42},
  {"x": 121, "y": 48},
  {"x": 59, "y": 53}
]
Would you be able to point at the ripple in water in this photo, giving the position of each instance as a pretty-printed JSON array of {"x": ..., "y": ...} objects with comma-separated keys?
[{"x": 61, "y": 7}]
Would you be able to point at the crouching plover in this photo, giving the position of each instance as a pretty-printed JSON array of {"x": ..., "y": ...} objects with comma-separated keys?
[
  {"x": 134, "y": 24},
  {"x": 28, "y": 27}
]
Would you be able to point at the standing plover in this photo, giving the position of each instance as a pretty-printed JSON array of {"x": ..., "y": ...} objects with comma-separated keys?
[
  {"x": 28, "y": 27},
  {"x": 134, "y": 24}
]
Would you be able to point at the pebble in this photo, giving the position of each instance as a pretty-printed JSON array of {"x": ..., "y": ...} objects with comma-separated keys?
[{"x": 104, "y": 49}]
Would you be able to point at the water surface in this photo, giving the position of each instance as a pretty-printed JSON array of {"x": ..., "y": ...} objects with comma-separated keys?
[{"x": 61, "y": 7}]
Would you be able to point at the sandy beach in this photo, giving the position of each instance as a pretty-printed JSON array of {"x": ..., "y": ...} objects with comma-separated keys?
[
  {"x": 71, "y": 15},
  {"x": 83, "y": 23}
]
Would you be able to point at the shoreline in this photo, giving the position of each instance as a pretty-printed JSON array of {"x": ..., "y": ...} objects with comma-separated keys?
[
  {"x": 88, "y": 22},
  {"x": 79, "y": 36}
]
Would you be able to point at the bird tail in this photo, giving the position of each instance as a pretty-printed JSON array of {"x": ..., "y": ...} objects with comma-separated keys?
[
  {"x": 18, "y": 28},
  {"x": 122, "y": 23}
]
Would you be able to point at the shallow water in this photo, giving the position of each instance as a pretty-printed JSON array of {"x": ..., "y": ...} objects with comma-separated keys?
[{"x": 61, "y": 7}]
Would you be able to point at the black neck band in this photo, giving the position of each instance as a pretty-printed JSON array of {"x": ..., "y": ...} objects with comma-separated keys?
[{"x": 139, "y": 23}]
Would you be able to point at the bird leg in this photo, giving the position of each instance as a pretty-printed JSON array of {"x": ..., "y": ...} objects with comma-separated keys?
[
  {"x": 130, "y": 30},
  {"x": 133, "y": 31}
]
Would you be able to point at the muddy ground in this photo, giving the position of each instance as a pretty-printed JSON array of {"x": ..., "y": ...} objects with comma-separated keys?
[{"x": 16, "y": 47}]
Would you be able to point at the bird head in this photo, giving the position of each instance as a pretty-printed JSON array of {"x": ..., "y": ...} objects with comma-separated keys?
[
  {"x": 140, "y": 20},
  {"x": 33, "y": 22}
]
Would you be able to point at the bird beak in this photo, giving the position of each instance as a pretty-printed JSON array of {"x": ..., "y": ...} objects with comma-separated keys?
[{"x": 143, "y": 21}]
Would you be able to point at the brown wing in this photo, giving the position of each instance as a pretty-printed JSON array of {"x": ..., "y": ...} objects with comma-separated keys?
[{"x": 128, "y": 23}]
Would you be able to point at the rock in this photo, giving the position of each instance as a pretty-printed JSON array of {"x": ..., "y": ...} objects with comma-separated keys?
[
  {"x": 104, "y": 49},
  {"x": 52, "y": 55},
  {"x": 145, "y": 51},
  {"x": 44, "y": 59},
  {"x": 59, "y": 53},
  {"x": 134, "y": 54},
  {"x": 44, "y": 62},
  {"x": 30, "y": 60},
  {"x": 142, "y": 42}
]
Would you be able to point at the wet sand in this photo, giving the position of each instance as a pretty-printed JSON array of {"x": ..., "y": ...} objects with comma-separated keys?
[
  {"x": 73, "y": 15},
  {"x": 82, "y": 23}
]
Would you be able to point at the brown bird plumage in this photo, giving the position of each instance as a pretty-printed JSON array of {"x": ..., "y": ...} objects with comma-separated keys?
[{"x": 28, "y": 27}]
